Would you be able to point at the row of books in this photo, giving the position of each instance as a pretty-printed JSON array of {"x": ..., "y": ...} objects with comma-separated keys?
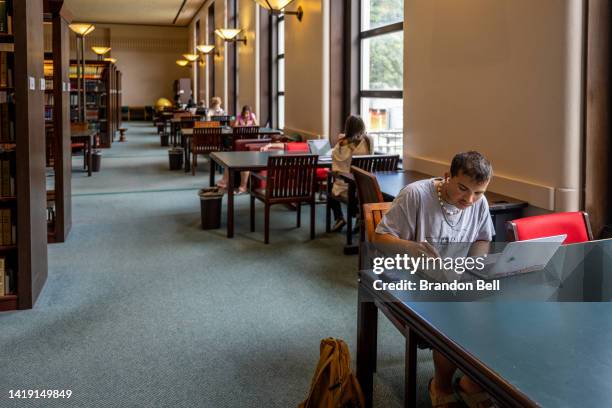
[
  {"x": 6, "y": 69},
  {"x": 8, "y": 230},
  {"x": 7, "y": 174},
  {"x": 6, "y": 19},
  {"x": 7, "y": 122},
  {"x": 48, "y": 113},
  {"x": 49, "y": 84},
  {"x": 7, "y": 279},
  {"x": 91, "y": 71}
]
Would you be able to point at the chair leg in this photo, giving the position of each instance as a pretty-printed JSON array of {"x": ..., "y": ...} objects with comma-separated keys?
[
  {"x": 252, "y": 213},
  {"x": 298, "y": 210},
  {"x": 312, "y": 219},
  {"x": 267, "y": 224}
]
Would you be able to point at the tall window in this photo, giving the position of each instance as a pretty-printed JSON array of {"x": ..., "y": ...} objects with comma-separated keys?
[
  {"x": 382, "y": 71},
  {"x": 280, "y": 69}
]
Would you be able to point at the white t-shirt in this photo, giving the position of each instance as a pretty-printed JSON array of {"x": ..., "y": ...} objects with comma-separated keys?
[{"x": 416, "y": 215}]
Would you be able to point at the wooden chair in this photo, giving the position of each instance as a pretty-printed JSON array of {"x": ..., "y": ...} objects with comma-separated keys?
[
  {"x": 290, "y": 179},
  {"x": 244, "y": 132},
  {"x": 368, "y": 191},
  {"x": 372, "y": 214},
  {"x": 205, "y": 141},
  {"x": 369, "y": 163},
  {"x": 207, "y": 124},
  {"x": 80, "y": 127}
]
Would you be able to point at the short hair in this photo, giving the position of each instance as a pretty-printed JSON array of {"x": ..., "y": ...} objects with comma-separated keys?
[
  {"x": 215, "y": 101},
  {"x": 353, "y": 127},
  {"x": 472, "y": 164}
]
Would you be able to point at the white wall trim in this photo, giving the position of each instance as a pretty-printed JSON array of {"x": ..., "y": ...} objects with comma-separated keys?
[{"x": 538, "y": 195}]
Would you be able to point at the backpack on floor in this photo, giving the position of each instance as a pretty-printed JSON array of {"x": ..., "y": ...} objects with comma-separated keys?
[{"x": 334, "y": 385}]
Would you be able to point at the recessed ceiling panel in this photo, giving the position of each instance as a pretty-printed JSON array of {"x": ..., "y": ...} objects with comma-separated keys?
[{"x": 155, "y": 12}]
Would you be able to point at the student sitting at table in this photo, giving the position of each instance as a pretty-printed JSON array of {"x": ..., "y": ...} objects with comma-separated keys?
[
  {"x": 215, "y": 108},
  {"x": 445, "y": 210},
  {"x": 201, "y": 108},
  {"x": 353, "y": 141},
  {"x": 246, "y": 117}
]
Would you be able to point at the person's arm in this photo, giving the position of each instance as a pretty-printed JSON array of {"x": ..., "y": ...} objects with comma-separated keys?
[
  {"x": 391, "y": 245},
  {"x": 480, "y": 248}
]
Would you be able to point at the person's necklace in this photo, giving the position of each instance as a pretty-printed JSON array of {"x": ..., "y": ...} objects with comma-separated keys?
[{"x": 445, "y": 211}]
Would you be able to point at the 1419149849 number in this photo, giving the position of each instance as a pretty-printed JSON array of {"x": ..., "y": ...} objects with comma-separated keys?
[{"x": 27, "y": 394}]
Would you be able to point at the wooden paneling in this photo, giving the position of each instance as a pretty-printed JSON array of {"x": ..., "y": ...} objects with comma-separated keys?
[{"x": 598, "y": 98}]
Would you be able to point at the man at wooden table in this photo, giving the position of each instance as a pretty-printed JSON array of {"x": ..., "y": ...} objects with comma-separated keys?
[{"x": 443, "y": 211}]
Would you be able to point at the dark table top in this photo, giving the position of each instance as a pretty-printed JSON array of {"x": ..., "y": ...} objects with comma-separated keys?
[
  {"x": 391, "y": 182},
  {"x": 556, "y": 353},
  {"x": 226, "y": 130},
  {"x": 245, "y": 160},
  {"x": 83, "y": 133}
]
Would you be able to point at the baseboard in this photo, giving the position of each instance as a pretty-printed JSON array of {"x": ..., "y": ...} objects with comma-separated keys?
[{"x": 538, "y": 195}]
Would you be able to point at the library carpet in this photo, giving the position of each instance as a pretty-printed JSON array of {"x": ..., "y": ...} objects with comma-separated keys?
[{"x": 142, "y": 308}]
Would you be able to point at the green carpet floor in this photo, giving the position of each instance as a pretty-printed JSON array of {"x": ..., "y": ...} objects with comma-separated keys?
[{"x": 142, "y": 308}]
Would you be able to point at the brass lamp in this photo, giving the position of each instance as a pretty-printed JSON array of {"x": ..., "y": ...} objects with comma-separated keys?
[
  {"x": 111, "y": 60},
  {"x": 100, "y": 51},
  {"x": 205, "y": 49},
  {"x": 191, "y": 57},
  {"x": 230, "y": 34},
  {"x": 276, "y": 7},
  {"x": 182, "y": 63},
  {"x": 81, "y": 30}
]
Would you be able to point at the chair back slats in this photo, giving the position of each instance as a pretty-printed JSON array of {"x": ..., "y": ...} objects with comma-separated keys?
[
  {"x": 368, "y": 190},
  {"x": 244, "y": 132},
  {"x": 372, "y": 215},
  {"x": 376, "y": 162},
  {"x": 207, "y": 140},
  {"x": 291, "y": 177}
]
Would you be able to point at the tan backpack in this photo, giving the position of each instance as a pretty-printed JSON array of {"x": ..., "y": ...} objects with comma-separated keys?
[{"x": 334, "y": 385}]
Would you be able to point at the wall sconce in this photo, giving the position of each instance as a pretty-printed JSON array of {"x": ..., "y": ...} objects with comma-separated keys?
[
  {"x": 111, "y": 60},
  {"x": 276, "y": 7},
  {"x": 191, "y": 57},
  {"x": 100, "y": 51},
  {"x": 205, "y": 49},
  {"x": 230, "y": 34},
  {"x": 182, "y": 63}
]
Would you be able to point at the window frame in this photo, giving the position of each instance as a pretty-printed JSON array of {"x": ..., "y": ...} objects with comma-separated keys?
[{"x": 277, "y": 57}]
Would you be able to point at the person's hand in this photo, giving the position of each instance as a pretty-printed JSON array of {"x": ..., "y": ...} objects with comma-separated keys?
[{"x": 427, "y": 249}]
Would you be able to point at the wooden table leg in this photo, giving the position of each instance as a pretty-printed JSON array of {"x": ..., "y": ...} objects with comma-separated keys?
[
  {"x": 367, "y": 332},
  {"x": 89, "y": 158},
  {"x": 230, "y": 203},
  {"x": 187, "y": 150},
  {"x": 410, "y": 373},
  {"x": 211, "y": 179}
]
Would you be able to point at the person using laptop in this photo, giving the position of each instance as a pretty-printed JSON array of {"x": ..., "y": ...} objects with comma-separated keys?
[
  {"x": 446, "y": 210},
  {"x": 351, "y": 143}
]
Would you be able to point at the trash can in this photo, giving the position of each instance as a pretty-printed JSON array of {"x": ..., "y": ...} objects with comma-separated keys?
[
  {"x": 96, "y": 160},
  {"x": 210, "y": 205},
  {"x": 175, "y": 155},
  {"x": 163, "y": 138}
]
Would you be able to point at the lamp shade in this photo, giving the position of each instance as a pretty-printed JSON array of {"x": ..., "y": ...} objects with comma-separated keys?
[
  {"x": 205, "y": 49},
  {"x": 113, "y": 60},
  {"x": 82, "y": 29},
  {"x": 100, "y": 50},
  {"x": 275, "y": 5},
  {"x": 182, "y": 63},
  {"x": 228, "y": 34},
  {"x": 191, "y": 57}
]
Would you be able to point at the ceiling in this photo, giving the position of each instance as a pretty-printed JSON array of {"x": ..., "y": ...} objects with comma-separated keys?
[{"x": 154, "y": 12}]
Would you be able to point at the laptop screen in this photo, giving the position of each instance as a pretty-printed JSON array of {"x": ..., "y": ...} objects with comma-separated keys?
[{"x": 320, "y": 147}]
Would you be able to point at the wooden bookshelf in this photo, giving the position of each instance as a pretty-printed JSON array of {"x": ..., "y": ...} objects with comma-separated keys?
[
  {"x": 119, "y": 99},
  {"x": 25, "y": 249},
  {"x": 57, "y": 76},
  {"x": 100, "y": 90}
]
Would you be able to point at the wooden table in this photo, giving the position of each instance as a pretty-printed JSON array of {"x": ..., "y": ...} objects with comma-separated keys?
[
  {"x": 235, "y": 162},
  {"x": 87, "y": 138},
  {"x": 523, "y": 353},
  {"x": 227, "y": 131}
]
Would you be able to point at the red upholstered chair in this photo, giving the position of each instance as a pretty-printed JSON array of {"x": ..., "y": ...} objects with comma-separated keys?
[
  {"x": 321, "y": 174},
  {"x": 297, "y": 147},
  {"x": 575, "y": 224}
]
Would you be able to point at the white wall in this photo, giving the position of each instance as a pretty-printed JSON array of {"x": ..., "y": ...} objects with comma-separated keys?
[
  {"x": 502, "y": 77},
  {"x": 307, "y": 69}
]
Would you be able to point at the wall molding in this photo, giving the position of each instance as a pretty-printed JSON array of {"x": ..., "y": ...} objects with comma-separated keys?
[{"x": 538, "y": 195}]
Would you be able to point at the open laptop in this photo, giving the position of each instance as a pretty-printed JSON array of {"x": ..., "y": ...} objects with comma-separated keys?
[
  {"x": 320, "y": 147},
  {"x": 520, "y": 257}
]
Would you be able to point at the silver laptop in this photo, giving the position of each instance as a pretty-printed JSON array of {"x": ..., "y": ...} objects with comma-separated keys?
[
  {"x": 320, "y": 147},
  {"x": 520, "y": 257}
]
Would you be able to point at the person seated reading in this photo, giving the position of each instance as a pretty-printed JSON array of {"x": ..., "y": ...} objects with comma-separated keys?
[
  {"x": 246, "y": 117},
  {"x": 451, "y": 209},
  {"x": 215, "y": 108}
]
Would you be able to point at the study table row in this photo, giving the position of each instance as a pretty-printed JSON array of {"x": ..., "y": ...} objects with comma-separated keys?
[
  {"x": 542, "y": 340},
  {"x": 501, "y": 207}
]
